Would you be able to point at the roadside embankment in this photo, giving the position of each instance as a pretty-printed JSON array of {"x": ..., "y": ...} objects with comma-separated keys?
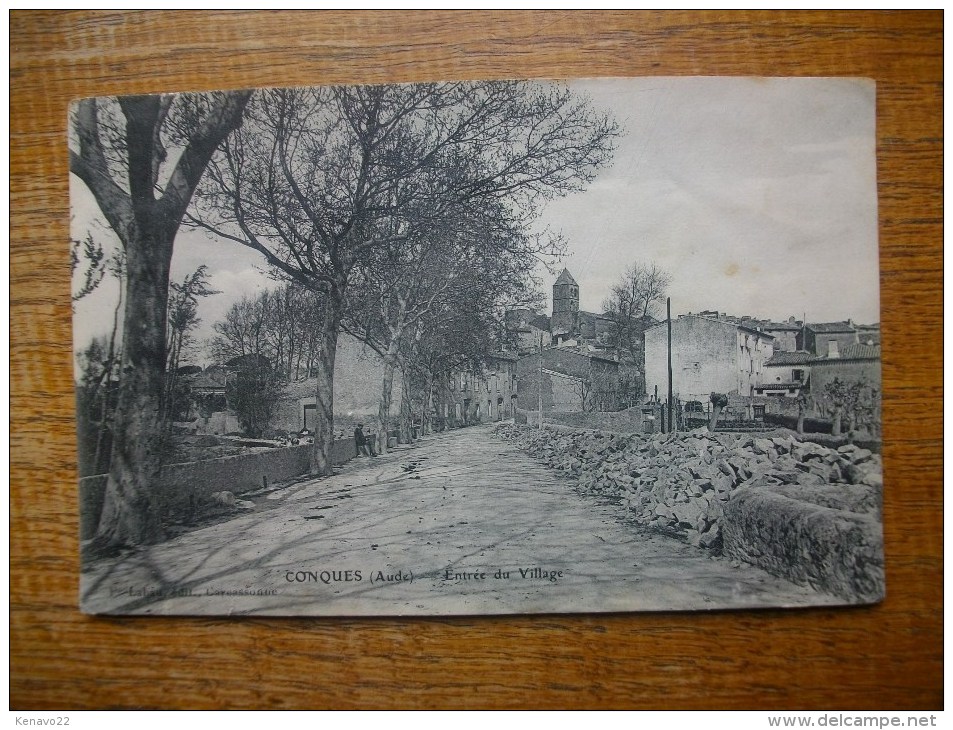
[{"x": 798, "y": 509}]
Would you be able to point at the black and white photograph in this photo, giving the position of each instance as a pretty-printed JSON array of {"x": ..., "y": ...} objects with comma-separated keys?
[{"x": 482, "y": 347}]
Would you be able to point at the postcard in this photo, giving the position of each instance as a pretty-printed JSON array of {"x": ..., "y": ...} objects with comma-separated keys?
[{"x": 478, "y": 347}]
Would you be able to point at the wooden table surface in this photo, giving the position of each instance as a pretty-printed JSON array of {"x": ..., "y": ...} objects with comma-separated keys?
[{"x": 886, "y": 656}]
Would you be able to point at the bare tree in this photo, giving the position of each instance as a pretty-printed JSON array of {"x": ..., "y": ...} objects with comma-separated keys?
[
  {"x": 429, "y": 273},
  {"x": 242, "y": 331},
  {"x": 321, "y": 180},
  {"x": 279, "y": 326},
  {"x": 632, "y": 300},
  {"x": 183, "y": 319},
  {"x": 119, "y": 150}
]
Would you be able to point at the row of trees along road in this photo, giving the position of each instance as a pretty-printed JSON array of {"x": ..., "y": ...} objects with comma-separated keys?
[{"x": 334, "y": 187}]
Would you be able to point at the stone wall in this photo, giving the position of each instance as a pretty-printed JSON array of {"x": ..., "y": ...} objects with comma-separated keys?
[
  {"x": 627, "y": 421},
  {"x": 684, "y": 484},
  {"x": 828, "y": 537},
  {"x": 184, "y": 484}
]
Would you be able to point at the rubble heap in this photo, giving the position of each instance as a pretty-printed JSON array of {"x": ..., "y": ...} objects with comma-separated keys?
[{"x": 711, "y": 489}]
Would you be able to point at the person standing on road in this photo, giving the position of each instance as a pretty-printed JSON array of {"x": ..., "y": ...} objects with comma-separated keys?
[{"x": 361, "y": 444}]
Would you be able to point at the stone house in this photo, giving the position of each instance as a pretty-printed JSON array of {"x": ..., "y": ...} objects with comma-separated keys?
[
  {"x": 575, "y": 379},
  {"x": 598, "y": 329},
  {"x": 527, "y": 329},
  {"x": 708, "y": 356},
  {"x": 819, "y": 337},
  {"x": 851, "y": 365},
  {"x": 467, "y": 397},
  {"x": 568, "y": 324},
  {"x": 785, "y": 374},
  {"x": 785, "y": 333},
  {"x": 358, "y": 382},
  {"x": 858, "y": 370}
]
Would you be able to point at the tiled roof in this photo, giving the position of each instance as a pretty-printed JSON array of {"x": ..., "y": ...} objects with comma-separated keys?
[
  {"x": 831, "y": 327},
  {"x": 754, "y": 331},
  {"x": 798, "y": 357},
  {"x": 724, "y": 322},
  {"x": 782, "y": 326},
  {"x": 565, "y": 278},
  {"x": 854, "y": 352},
  {"x": 779, "y": 386}
]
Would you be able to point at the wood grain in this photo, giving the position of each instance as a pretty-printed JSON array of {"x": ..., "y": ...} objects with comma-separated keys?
[{"x": 887, "y": 656}]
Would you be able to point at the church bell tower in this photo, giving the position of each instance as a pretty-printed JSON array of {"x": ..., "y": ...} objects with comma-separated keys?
[{"x": 565, "y": 320}]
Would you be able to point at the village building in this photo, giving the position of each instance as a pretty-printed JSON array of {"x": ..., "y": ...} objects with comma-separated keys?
[
  {"x": 708, "y": 356},
  {"x": 358, "y": 383},
  {"x": 564, "y": 324},
  {"x": 573, "y": 379},
  {"x": 571, "y": 326},
  {"x": 785, "y": 333},
  {"x": 852, "y": 365},
  {"x": 467, "y": 396},
  {"x": 527, "y": 330},
  {"x": 596, "y": 329},
  {"x": 819, "y": 337},
  {"x": 868, "y": 334},
  {"x": 579, "y": 370},
  {"x": 786, "y": 374}
]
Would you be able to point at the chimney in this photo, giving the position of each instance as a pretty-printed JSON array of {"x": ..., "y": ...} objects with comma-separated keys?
[{"x": 832, "y": 352}]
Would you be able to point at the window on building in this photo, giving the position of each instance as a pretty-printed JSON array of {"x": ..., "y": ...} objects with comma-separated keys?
[
  {"x": 797, "y": 376},
  {"x": 758, "y": 412}
]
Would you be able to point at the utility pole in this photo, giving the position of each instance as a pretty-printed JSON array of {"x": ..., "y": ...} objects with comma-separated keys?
[
  {"x": 668, "y": 309},
  {"x": 539, "y": 383}
]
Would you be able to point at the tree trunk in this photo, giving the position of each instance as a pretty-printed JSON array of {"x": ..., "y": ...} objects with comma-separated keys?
[
  {"x": 132, "y": 506},
  {"x": 324, "y": 384},
  {"x": 147, "y": 227},
  {"x": 426, "y": 426},
  {"x": 106, "y": 387},
  {"x": 406, "y": 425},
  {"x": 718, "y": 402},
  {"x": 838, "y": 415},
  {"x": 800, "y": 421},
  {"x": 387, "y": 392}
]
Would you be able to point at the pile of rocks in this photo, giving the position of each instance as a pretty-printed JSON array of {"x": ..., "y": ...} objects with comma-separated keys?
[{"x": 681, "y": 483}]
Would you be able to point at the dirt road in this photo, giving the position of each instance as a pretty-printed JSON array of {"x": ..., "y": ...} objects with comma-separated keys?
[{"x": 459, "y": 523}]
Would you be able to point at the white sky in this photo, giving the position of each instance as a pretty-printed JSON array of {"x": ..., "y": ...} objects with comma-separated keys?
[{"x": 758, "y": 196}]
